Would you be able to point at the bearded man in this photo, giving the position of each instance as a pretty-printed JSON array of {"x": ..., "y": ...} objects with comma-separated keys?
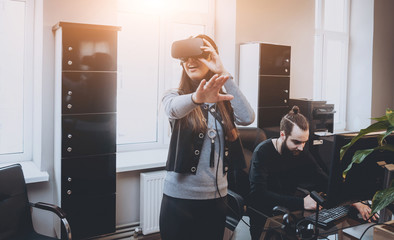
[{"x": 280, "y": 167}]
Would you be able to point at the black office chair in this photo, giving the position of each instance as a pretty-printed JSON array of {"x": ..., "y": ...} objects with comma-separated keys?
[
  {"x": 250, "y": 138},
  {"x": 15, "y": 208}
]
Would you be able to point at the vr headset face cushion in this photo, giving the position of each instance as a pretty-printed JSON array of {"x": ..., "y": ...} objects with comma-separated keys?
[{"x": 188, "y": 48}]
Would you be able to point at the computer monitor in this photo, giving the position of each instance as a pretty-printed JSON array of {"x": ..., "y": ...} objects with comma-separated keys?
[{"x": 364, "y": 179}]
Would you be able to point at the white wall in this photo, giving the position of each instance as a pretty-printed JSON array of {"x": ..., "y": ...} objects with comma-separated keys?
[
  {"x": 383, "y": 58},
  {"x": 225, "y": 35},
  {"x": 284, "y": 22},
  {"x": 360, "y": 65}
]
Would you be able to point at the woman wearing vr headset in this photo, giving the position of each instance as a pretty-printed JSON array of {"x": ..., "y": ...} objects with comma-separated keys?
[{"x": 204, "y": 146}]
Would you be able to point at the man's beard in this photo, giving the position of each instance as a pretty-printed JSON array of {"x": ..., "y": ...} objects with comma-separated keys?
[{"x": 286, "y": 152}]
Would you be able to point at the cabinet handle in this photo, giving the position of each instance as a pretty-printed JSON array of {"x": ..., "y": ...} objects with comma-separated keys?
[
  {"x": 70, "y": 49},
  {"x": 70, "y": 136},
  {"x": 286, "y": 70},
  {"x": 285, "y": 101},
  {"x": 69, "y": 106},
  {"x": 69, "y": 179},
  {"x": 287, "y": 60},
  {"x": 69, "y": 93},
  {"x": 69, "y": 149},
  {"x": 286, "y": 91},
  {"x": 69, "y": 192},
  {"x": 70, "y": 63}
]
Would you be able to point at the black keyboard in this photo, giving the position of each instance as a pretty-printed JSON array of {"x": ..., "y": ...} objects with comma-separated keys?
[{"x": 328, "y": 216}]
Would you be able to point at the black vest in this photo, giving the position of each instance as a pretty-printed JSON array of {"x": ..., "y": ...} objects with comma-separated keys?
[{"x": 185, "y": 147}]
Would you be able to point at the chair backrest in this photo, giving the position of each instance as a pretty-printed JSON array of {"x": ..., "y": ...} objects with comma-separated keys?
[
  {"x": 250, "y": 138},
  {"x": 15, "y": 215}
]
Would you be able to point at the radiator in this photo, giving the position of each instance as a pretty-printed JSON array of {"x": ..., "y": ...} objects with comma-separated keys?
[{"x": 151, "y": 193}]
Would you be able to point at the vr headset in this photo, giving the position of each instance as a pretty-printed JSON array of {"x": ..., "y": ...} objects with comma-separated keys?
[{"x": 184, "y": 49}]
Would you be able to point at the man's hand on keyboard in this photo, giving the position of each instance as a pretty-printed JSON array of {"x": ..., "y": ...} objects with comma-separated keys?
[{"x": 365, "y": 211}]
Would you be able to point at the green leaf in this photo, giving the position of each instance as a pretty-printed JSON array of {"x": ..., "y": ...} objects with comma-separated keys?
[
  {"x": 390, "y": 116},
  {"x": 380, "y": 119},
  {"x": 358, "y": 157},
  {"x": 382, "y": 199},
  {"x": 390, "y": 129},
  {"x": 378, "y": 126}
]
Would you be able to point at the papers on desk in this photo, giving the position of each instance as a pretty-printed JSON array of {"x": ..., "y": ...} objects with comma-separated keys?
[{"x": 357, "y": 231}]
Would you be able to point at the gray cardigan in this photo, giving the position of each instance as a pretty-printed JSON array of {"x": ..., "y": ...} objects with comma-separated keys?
[{"x": 202, "y": 185}]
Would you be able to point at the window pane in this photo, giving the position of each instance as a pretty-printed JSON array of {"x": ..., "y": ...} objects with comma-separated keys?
[
  {"x": 334, "y": 15},
  {"x": 138, "y": 61},
  {"x": 334, "y": 79},
  {"x": 178, "y": 32},
  {"x": 11, "y": 75}
]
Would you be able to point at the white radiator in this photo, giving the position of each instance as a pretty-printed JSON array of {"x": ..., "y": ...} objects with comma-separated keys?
[{"x": 151, "y": 193}]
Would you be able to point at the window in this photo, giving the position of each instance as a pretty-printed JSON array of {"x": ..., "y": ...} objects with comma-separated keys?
[
  {"x": 16, "y": 80},
  {"x": 331, "y": 55},
  {"x": 145, "y": 66}
]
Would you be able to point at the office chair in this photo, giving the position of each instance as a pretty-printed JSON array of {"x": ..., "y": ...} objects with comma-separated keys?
[
  {"x": 250, "y": 138},
  {"x": 15, "y": 208}
]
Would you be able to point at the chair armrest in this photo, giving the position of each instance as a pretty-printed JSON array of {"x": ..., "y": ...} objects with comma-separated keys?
[
  {"x": 58, "y": 211},
  {"x": 50, "y": 207},
  {"x": 236, "y": 202}
]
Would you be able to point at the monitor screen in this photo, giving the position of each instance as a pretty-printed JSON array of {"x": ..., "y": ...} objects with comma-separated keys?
[{"x": 364, "y": 179}]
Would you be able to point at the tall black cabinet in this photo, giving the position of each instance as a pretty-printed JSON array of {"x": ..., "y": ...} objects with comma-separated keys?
[
  {"x": 85, "y": 126},
  {"x": 265, "y": 80}
]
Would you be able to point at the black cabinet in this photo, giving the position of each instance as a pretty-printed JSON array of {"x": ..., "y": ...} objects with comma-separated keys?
[
  {"x": 85, "y": 126},
  {"x": 265, "y": 81},
  {"x": 274, "y": 59}
]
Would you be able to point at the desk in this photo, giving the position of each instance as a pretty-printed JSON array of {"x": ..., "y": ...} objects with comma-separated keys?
[{"x": 339, "y": 227}]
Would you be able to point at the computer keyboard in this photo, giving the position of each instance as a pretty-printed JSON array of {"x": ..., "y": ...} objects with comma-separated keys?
[{"x": 328, "y": 216}]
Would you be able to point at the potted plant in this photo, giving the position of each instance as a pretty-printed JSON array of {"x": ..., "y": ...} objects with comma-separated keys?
[{"x": 384, "y": 124}]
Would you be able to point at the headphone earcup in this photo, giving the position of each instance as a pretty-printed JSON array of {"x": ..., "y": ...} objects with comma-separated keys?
[
  {"x": 289, "y": 222},
  {"x": 305, "y": 230}
]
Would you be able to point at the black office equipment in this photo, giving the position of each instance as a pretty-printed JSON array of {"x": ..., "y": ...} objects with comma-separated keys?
[
  {"x": 320, "y": 114},
  {"x": 327, "y": 217},
  {"x": 85, "y": 126},
  {"x": 364, "y": 179},
  {"x": 15, "y": 208}
]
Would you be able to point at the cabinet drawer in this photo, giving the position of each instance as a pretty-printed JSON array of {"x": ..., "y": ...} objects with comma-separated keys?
[
  {"x": 271, "y": 116},
  {"x": 88, "y": 134},
  {"x": 88, "y": 92},
  {"x": 88, "y": 175},
  {"x": 273, "y": 91},
  {"x": 92, "y": 50},
  {"x": 274, "y": 59},
  {"x": 90, "y": 215}
]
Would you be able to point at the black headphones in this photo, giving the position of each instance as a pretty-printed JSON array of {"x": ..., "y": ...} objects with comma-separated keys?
[{"x": 302, "y": 228}]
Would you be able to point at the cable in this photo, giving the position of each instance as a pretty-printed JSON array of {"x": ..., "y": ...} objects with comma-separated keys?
[
  {"x": 217, "y": 185},
  {"x": 217, "y": 170}
]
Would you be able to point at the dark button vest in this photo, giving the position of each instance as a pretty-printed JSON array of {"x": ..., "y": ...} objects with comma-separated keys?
[{"x": 185, "y": 146}]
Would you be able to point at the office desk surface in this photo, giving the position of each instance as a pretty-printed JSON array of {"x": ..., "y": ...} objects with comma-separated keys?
[{"x": 347, "y": 228}]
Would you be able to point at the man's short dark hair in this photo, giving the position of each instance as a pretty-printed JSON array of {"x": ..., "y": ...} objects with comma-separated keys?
[{"x": 294, "y": 117}]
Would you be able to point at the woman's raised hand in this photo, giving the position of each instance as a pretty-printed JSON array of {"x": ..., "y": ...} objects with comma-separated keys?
[
  {"x": 208, "y": 92},
  {"x": 213, "y": 62}
]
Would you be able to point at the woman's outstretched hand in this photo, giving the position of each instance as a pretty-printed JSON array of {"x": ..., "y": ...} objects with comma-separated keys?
[{"x": 208, "y": 92}]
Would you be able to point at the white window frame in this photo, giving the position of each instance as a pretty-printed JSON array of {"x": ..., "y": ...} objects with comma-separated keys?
[
  {"x": 164, "y": 78},
  {"x": 320, "y": 70},
  {"x": 31, "y": 86}
]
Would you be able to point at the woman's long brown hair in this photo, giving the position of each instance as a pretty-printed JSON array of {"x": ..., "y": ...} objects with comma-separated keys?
[{"x": 195, "y": 118}]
